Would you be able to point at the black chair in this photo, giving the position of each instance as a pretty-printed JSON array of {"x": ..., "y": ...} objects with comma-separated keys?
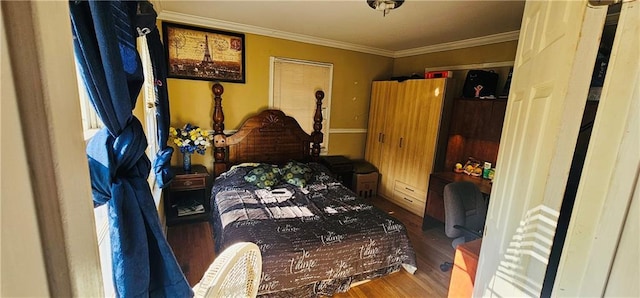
[{"x": 465, "y": 212}]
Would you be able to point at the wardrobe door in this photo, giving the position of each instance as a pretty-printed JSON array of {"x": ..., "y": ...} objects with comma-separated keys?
[
  {"x": 377, "y": 118},
  {"x": 404, "y": 194},
  {"x": 424, "y": 99},
  {"x": 397, "y": 139},
  {"x": 381, "y": 112},
  {"x": 387, "y": 158}
]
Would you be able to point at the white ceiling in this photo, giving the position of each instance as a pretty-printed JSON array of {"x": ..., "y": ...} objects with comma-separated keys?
[{"x": 416, "y": 25}]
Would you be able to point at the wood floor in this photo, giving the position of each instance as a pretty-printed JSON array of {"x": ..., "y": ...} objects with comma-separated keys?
[{"x": 193, "y": 247}]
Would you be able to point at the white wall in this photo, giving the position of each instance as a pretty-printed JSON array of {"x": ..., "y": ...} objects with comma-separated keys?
[
  {"x": 20, "y": 245},
  {"x": 48, "y": 235}
]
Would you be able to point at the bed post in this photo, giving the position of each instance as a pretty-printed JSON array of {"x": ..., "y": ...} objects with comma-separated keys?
[
  {"x": 219, "y": 138},
  {"x": 316, "y": 136}
]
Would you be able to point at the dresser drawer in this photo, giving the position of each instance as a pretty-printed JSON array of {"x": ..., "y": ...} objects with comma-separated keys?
[
  {"x": 411, "y": 203},
  {"x": 409, "y": 190},
  {"x": 188, "y": 183}
]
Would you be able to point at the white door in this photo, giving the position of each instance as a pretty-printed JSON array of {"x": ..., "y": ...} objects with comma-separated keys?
[
  {"x": 554, "y": 61},
  {"x": 601, "y": 255}
]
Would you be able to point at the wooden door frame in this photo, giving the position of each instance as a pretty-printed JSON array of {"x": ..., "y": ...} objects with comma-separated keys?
[{"x": 40, "y": 51}]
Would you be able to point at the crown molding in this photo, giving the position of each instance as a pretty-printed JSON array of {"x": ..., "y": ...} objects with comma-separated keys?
[
  {"x": 172, "y": 16},
  {"x": 460, "y": 44},
  {"x": 471, "y": 66},
  {"x": 157, "y": 5},
  {"x": 348, "y": 130}
]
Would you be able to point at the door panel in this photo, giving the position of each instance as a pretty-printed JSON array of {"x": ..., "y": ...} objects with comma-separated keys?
[
  {"x": 380, "y": 93},
  {"x": 397, "y": 135},
  {"x": 387, "y": 157},
  {"x": 407, "y": 117},
  {"x": 623, "y": 281},
  {"x": 379, "y": 149},
  {"x": 598, "y": 257},
  {"x": 421, "y": 133},
  {"x": 556, "y": 53}
]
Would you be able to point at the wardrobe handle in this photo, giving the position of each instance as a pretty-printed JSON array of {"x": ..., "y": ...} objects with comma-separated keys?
[
  {"x": 382, "y": 138},
  {"x": 379, "y": 137},
  {"x": 400, "y": 142}
]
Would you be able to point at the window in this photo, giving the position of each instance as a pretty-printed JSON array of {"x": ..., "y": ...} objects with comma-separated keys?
[
  {"x": 293, "y": 85},
  {"x": 91, "y": 124}
]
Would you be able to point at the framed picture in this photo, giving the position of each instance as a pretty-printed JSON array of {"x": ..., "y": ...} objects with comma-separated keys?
[{"x": 203, "y": 54}]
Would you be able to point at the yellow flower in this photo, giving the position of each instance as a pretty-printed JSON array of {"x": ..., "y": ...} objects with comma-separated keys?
[{"x": 173, "y": 131}]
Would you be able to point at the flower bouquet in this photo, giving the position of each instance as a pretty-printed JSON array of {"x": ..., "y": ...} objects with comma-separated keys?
[{"x": 190, "y": 139}]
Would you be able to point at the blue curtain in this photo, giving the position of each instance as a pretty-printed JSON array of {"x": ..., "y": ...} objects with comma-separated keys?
[
  {"x": 104, "y": 41},
  {"x": 146, "y": 25}
]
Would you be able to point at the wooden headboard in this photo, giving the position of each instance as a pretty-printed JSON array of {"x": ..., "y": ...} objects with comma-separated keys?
[{"x": 269, "y": 137}]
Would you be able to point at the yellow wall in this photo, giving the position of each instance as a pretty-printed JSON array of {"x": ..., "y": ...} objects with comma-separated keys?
[
  {"x": 192, "y": 100},
  {"x": 351, "y": 145},
  {"x": 505, "y": 51},
  {"x": 23, "y": 271}
]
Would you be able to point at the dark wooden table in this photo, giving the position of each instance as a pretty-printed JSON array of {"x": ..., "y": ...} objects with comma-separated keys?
[
  {"x": 434, "y": 210},
  {"x": 187, "y": 189}
]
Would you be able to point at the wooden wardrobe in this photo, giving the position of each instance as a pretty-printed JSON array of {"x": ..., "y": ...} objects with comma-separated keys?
[{"x": 402, "y": 140}]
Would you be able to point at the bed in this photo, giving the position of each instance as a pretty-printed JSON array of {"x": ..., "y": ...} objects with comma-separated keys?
[{"x": 315, "y": 236}]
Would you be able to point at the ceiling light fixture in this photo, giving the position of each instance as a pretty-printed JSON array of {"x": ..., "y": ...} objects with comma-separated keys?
[{"x": 384, "y": 5}]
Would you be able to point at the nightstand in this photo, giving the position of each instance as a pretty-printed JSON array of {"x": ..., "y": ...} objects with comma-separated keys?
[
  {"x": 340, "y": 166},
  {"x": 365, "y": 179},
  {"x": 187, "y": 197}
]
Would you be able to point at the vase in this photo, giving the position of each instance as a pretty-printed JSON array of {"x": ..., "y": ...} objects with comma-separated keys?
[{"x": 186, "y": 162}]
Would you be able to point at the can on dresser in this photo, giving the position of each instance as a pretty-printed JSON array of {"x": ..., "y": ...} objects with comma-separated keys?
[{"x": 486, "y": 169}]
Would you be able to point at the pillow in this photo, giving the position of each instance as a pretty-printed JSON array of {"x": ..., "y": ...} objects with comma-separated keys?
[
  {"x": 296, "y": 173},
  {"x": 245, "y": 164},
  {"x": 263, "y": 176}
]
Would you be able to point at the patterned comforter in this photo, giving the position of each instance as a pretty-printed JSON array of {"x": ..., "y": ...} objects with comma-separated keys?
[{"x": 315, "y": 240}]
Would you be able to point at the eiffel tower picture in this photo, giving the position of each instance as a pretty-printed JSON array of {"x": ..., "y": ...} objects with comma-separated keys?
[
  {"x": 206, "y": 60},
  {"x": 204, "y": 54}
]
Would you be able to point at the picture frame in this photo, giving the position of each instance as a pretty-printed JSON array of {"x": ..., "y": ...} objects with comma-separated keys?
[{"x": 204, "y": 54}]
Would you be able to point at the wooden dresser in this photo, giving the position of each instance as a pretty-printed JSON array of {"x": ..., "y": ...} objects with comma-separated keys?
[
  {"x": 474, "y": 131},
  {"x": 465, "y": 265},
  {"x": 434, "y": 211}
]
